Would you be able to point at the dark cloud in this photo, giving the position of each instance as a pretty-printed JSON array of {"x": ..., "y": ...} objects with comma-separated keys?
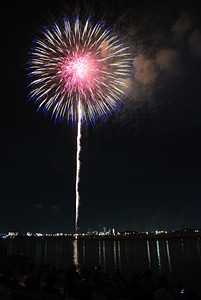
[
  {"x": 145, "y": 69},
  {"x": 54, "y": 208},
  {"x": 166, "y": 59},
  {"x": 38, "y": 206},
  {"x": 194, "y": 42},
  {"x": 182, "y": 25},
  {"x": 150, "y": 62}
]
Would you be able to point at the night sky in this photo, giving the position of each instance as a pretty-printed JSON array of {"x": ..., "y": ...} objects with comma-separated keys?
[{"x": 141, "y": 169}]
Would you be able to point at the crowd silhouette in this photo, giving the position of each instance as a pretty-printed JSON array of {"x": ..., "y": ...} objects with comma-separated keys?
[
  {"x": 21, "y": 279},
  {"x": 45, "y": 282}
]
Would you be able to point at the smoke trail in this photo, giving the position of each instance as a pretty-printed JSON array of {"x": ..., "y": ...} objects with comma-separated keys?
[{"x": 79, "y": 123}]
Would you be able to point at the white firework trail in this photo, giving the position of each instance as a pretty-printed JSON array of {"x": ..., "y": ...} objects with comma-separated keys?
[{"x": 78, "y": 164}]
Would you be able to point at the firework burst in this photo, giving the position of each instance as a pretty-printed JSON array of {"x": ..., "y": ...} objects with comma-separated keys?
[
  {"x": 75, "y": 63},
  {"x": 79, "y": 74}
]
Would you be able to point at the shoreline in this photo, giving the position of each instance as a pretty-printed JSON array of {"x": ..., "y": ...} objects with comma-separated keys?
[{"x": 138, "y": 237}]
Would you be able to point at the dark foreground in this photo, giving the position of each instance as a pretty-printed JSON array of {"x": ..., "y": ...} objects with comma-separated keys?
[{"x": 20, "y": 279}]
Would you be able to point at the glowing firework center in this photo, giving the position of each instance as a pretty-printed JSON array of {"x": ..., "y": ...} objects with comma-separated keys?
[{"x": 78, "y": 74}]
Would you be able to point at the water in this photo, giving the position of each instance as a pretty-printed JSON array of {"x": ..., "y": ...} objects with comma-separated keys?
[{"x": 176, "y": 258}]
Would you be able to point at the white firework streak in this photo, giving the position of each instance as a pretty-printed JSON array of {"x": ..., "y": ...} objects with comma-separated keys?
[{"x": 78, "y": 163}]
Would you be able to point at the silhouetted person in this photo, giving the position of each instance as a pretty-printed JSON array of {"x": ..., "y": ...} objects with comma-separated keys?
[{"x": 147, "y": 285}]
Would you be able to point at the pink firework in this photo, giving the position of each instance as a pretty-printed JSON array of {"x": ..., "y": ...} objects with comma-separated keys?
[
  {"x": 78, "y": 73},
  {"x": 79, "y": 63}
]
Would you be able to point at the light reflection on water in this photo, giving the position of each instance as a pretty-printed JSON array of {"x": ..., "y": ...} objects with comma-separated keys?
[
  {"x": 198, "y": 243},
  {"x": 75, "y": 255},
  {"x": 172, "y": 257},
  {"x": 168, "y": 256},
  {"x": 148, "y": 255},
  {"x": 158, "y": 256}
]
